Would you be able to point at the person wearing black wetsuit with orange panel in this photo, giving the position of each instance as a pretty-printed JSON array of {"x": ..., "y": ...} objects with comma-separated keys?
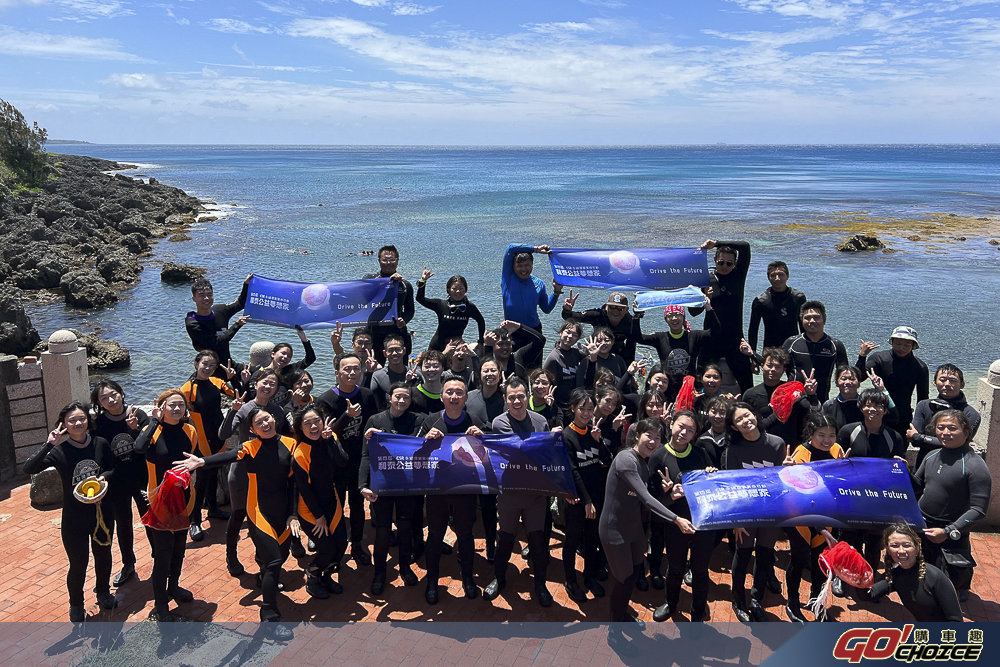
[{"x": 166, "y": 440}]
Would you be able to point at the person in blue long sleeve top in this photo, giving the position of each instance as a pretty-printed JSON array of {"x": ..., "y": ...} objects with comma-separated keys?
[{"x": 523, "y": 294}]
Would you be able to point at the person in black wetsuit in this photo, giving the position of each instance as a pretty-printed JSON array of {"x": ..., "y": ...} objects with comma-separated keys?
[
  {"x": 120, "y": 424},
  {"x": 563, "y": 361},
  {"x": 922, "y": 588},
  {"x": 300, "y": 386},
  {"x": 777, "y": 307},
  {"x": 453, "y": 313},
  {"x": 749, "y": 447},
  {"x": 500, "y": 346},
  {"x": 487, "y": 402},
  {"x": 902, "y": 372},
  {"x": 954, "y": 487},
  {"x": 165, "y": 441},
  {"x": 612, "y": 315},
  {"x": 542, "y": 398},
  {"x": 678, "y": 455},
  {"x": 599, "y": 355},
  {"x": 317, "y": 457},
  {"x": 453, "y": 419},
  {"x": 79, "y": 457},
  {"x": 728, "y": 285},
  {"x": 203, "y": 393},
  {"x": 773, "y": 369},
  {"x": 949, "y": 381},
  {"x": 394, "y": 371},
  {"x": 208, "y": 325},
  {"x": 682, "y": 351},
  {"x": 357, "y": 405},
  {"x": 271, "y": 505},
  {"x": 388, "y": 260},
  {"x": 815, "y": 350},
  {"x": 427, "y": 394},
  {"x": 843, "y": 408},
  {"x": 460, "y": 362},
  {"x": 400, "y": 420},
  {"x": 281, "y": 361}
]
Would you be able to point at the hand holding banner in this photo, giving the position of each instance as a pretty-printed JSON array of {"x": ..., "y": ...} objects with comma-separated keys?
[
  {"x": 640, "y": 268},
  {"x": 285, "y": 303},
  {"x": 845, "y": 493}
]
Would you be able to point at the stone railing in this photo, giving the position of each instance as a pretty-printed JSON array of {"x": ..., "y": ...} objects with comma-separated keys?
[{"x": 988, "y": 404}]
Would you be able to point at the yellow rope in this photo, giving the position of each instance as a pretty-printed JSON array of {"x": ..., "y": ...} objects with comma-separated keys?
[{"x": 101, "y": 526}]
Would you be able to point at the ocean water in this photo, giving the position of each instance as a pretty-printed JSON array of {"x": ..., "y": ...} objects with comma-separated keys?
[{"x": 455, "y": 210}]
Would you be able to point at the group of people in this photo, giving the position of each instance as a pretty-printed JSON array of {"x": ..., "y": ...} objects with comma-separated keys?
[{"x": 301, "y": 472}]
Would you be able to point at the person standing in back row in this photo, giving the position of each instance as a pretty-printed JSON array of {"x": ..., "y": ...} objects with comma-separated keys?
[
  {"x": 732, "y": 262},
  {"x": 815, "y": 353},
  {"x": 777, "y": 307},
  {"x": 388, "y": 261},
  {"x": 613, "y": 315},
  {"x": 208, "y": 326},
  {"x": 523, "y": 294},
  {"x": 902, "y": 373}
]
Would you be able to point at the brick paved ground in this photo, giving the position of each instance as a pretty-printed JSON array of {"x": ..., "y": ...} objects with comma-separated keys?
[{"x": 33, "y": 568}]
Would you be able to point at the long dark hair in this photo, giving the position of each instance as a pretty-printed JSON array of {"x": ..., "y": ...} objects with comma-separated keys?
[
  {"x": 903, "y": 528},
  {"x": 99, "y": 386}
]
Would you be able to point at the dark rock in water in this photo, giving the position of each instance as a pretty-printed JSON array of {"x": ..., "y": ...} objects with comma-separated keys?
[
  {"x": 119, "y": 266},
  {"x": 39, "y": 267},
  {"x": 17, "y": 336},
  {"x": 859, "y": 243},
  {"x": 86, "y": 288},
  {"x": 208, "y": 218},
  {"x": 179, "y": 237},
  {"x": 913, "y": 238},
  {"x": 994, "y": 241},
  {"x": 961, "y": 238},
  {"x": 180, "y": 273},
  {"x": 101, "y": 354}
]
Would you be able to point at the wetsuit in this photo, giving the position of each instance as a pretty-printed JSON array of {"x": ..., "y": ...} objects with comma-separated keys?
[
  {"x": 932, "y": 600},
  {"x": 424, "y": 401},
  {"x": 352, "y": 439},
  {"x": 590, "y": 460},
  {"x": 165, "y": 445},
  {"x": 805, "y": 542},
  {"x": 742, "y": 454},
  {"x": 624, "y": 331},
  {"x": 409, "y": 527},
  {"x": 954, "y": 486},
  {"x": 453, "y": 317},
  {"x": 404, "y": 302},
  {"x": 621, "y": 530},
  {"x": 714, "y": 445},
  {"x": 314, "y": 465},
  {"x": 701, "y": 544},
  {"x": 902, "y": 376},
  {"x": 461, "y": 507},
  {"x": 823, "y": 356},
  {"x": 212, "y": 332},
  {"x": 586, "y": 370},
  {"x": 563, "y": 365},
  {"x": 552, "y": 414},
  {"x": 271, "y": 500},
  {"x": 381, "y": 380},
  {"x": 779, "y": 311},
  {"x": 521, "y": 299},
  {"x": 284, "y": 389},
  {"x": 204, "y": 399},
  {"x": 130, "y": 477},
  {"x": 922, "y": 419},
  {"x": 485, "y": 409},
  {"x": 681, "y": 354},
  {"x": 842, "y": 410},
  {"x": 728, "y": 305},
  {"x": 515, "y": 506},
  {"x": 78, "y": 527},
  {"x": 790, "y": 431}
]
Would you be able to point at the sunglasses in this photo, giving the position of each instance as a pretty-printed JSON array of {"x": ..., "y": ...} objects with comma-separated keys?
[
  {"x": 724, "y": 262},
  {"x": 620, "y": 308}
]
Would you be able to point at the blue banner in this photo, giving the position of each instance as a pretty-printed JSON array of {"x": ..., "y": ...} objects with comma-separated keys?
[
  {"x": 640, "y": 268},
  {"x": 403, "y": 465},
  {"x": 843, "y": 493},
  {"x": 321, "y": 305},
  {"x": 689, "y": 296}
]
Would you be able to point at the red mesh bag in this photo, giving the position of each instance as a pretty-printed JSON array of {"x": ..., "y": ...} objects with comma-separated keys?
[
  {"x": 685, "y": 397},
  {"x": 169, "y": 506},
  {"x": 847, "y": 565},
  {"x": 784, "y": 397}
]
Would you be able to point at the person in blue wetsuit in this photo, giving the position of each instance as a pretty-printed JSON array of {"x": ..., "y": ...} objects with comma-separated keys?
[{"x": 523, "y": 294}]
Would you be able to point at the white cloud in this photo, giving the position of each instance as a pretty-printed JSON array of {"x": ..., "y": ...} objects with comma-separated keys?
[
  {"x": 138, "y": 81},
  {"x": 410, "y": 9},
  {"x": 607, "y": 4},
  {"x": 234, "y": 26},
  {"x": 272, "y": 68},
  {"x": 819, "y": 9},
  {"x": 94, "y": 9},
  {"x": 560, "y": 28},
  {"x": 6, "y": 4},
  {"x": 61, "y": 47},
  {"x": 371, "y": 3}
]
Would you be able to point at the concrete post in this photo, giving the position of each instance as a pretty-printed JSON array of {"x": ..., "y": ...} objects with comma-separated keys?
[
  {"x": 64, "y": 373},
  {"x": 8, "y": 376},
  {"x": 988, "y": 404}
]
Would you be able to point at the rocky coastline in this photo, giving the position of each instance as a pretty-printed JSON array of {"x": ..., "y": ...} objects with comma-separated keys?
[{"x": 81, "y": 238}]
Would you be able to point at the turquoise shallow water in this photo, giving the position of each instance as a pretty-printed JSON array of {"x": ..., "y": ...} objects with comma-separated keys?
[{"x": 456, "y": 209}]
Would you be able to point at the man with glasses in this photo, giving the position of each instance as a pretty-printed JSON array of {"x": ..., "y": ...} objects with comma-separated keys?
[
  {"x": 388, "y": 261},
  {"x": 393, "y": 372},
  {"x": 732, "y": 262},
  {"x": 614, "y": 315},
  {"x": 777, "y": 307}
]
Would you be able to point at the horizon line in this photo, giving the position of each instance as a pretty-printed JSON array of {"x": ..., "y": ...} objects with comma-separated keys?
[{"x": 73, "y": 142}]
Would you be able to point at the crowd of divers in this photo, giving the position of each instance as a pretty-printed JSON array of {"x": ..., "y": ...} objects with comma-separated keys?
[{"x": 301, "y": 471}]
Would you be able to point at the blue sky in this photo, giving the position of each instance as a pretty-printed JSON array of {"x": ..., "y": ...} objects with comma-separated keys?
[{"x": 517, "y": 72}]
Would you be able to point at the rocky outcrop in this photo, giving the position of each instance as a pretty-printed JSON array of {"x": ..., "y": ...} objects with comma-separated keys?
[
  {"x": 860, "y": 243},
  {"x": 101, "y": 354},
  {"x": 89, "y": 224},
  {"x": 17, "y": 336},
  {"x": 180, "y": 273}
]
